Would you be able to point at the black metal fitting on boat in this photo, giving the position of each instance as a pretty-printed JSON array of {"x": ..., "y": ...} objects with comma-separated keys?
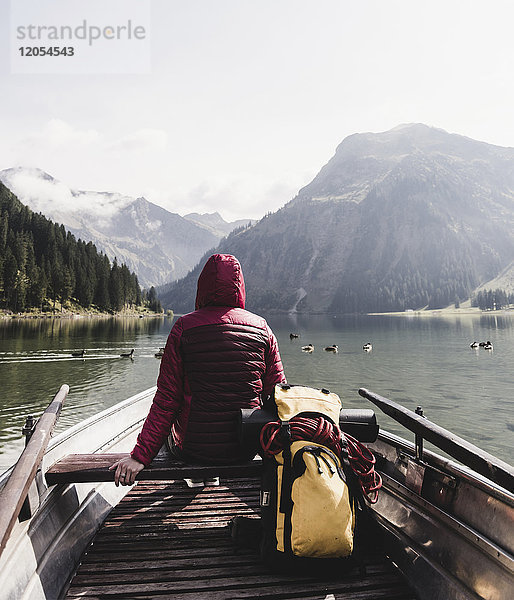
[
  {"x": 28, "y": 429},
  {"x": 419, "y": 438}
]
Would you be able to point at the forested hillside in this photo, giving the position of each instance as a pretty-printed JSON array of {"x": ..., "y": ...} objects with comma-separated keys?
[
  {"x": 41, "y": 264},
  {"x": 492, "y": 299},
  {"x": 158, "y": 245}
]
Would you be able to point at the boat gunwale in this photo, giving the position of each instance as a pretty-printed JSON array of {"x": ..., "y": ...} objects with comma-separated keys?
[
  {"x": 68, "y": 433},
  {"x": 495, "y": 552},
  {"x": 104, "y": 414},
  {"x": 479, "y": 462},
  {"x": 448, "y": 464}
]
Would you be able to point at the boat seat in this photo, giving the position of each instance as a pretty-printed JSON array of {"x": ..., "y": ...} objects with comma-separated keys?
[{"x": 87, "y": 468}]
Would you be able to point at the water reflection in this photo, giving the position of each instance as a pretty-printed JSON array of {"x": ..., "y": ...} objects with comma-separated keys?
[
  {"x": 36, "y": 359},
  {"x": 81, "y": 327}
]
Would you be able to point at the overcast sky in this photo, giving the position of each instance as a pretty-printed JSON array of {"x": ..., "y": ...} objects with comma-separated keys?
[{"x": 245, "y": 100}]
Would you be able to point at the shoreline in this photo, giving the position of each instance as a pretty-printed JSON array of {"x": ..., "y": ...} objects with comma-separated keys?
[
  {"x": 79, "y": 315},
  {"x": 441, "y": 312},
  {"x": 445, "y": 312}
]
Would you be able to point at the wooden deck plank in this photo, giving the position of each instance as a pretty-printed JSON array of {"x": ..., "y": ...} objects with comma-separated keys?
[
  {"x": 165, "y": 543},
  {"x": 250, "y": 586},
  {"x": 175, "y": 544},
  {"x": 141, "y": 563},
  {"x": 219, "y": 568},
  {"x": 157, "y": 512},
  {"x": 145, "y": 519},
  {"x": 104, "y": 556},
  {"x": 215, "y": 497},
  {"x": 389, "y": 594}
]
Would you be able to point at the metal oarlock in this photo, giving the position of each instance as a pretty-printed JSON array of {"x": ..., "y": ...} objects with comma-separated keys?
[
  {"x": 28, "y": 429},
  {"x": 419, "y": 438}
]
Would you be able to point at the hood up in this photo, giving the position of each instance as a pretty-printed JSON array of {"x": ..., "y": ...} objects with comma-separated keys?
[{"x": 221, "y": 283}]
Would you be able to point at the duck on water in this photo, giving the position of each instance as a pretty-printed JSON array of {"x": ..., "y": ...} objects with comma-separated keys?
[{"x": 485, "y": 345}]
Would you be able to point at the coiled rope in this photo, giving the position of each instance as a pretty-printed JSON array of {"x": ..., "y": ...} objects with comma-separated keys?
[{"x": 322, "y": 431}]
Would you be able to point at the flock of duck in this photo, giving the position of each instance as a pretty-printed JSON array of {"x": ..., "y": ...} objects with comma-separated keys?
[
  {"x": 485, "y": 345},
  {"x": 368, "y": 347},
  {"x": 334, "y": 348},
  {"x": 82, "y": 353},
  {"x": 309, "y": 348}
]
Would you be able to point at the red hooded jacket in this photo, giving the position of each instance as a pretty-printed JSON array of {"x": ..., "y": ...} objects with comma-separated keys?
[{"x": 217, "y": 359}]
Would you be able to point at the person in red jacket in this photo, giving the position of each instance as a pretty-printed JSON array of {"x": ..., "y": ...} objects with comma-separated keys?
[{"x": 217, "y": 359}]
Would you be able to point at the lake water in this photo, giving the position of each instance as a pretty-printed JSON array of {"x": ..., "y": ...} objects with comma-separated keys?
[{"x": 415, "y": 361}]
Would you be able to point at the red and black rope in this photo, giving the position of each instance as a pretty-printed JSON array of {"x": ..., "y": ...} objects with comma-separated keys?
[{"x": 321, "y": 431}]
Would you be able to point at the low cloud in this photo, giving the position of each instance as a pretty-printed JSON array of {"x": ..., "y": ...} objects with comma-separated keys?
[
  {"x": 38, "y": 192},
  {"x": 141, "y": 141},
  {"x": 57, "y": 135},
  {"x": 55, "y": 199},
  {"x": 242, "y": 198},
  {"x": 60, "y": 133},
  {"x": 58, "y": 143},
  {"x": 94, "y": 159},
  {"x": 153, "y": 225}
]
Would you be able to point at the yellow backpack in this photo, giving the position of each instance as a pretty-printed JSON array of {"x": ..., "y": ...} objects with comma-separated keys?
[{"x": 308, "y": 488}]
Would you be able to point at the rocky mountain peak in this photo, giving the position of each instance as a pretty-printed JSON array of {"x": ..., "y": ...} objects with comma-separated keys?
[{"x": 406, "y": 218}]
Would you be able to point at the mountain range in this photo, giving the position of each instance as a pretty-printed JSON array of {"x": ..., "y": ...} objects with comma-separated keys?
[
  {"x": 409, "y": 218},
  {"x": 159, "y": 246},
  {"x": 216, "y": 224}
]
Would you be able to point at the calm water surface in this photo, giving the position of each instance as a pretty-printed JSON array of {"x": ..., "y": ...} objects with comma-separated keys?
[{"x": 415, "y": 361}]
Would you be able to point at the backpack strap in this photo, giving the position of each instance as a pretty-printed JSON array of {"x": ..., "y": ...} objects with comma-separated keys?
[
  {"x": 286, "y": 502},
  {"x": 351, "y": 478},
  {"x": 287, "y": 479}
]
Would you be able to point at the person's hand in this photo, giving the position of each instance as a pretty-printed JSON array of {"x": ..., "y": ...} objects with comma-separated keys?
[{"x": 126, "y": 470}]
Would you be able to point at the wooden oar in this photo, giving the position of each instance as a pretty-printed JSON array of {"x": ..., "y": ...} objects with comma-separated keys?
[
  {"x": 482, "y": 462},
  {"x": 15, "y": 490}
]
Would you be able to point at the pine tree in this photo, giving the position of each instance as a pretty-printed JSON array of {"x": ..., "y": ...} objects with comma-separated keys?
[
  {"x": 9, "y": 277},
  {"x": 115, "y": 287},
  {"x": 154, "y": 304}
]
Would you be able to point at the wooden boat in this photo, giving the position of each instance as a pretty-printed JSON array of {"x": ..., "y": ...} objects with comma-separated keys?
[{"x": 443, "y": 529}]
